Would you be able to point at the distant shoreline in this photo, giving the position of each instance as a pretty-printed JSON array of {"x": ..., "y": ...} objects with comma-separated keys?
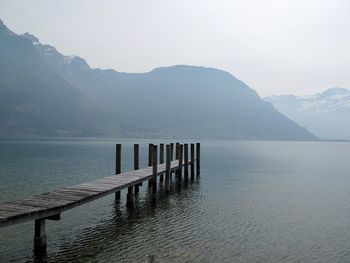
[{"x": 58, "y": 138}]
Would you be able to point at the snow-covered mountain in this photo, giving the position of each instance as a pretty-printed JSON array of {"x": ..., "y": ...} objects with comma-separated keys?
[{"x": 325, "y": 114}]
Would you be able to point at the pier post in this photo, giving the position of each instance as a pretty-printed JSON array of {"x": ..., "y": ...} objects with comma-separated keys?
[
  {"x": 179, "y": 170},
  {"x": 167, "y": 168},
  {"x": 177, "y": 149},
  {"x": 150, "y": 154},
  {"x": 137, "y": 164},
  {"x": 171, "y": 151},
  {"x": 171, "y": 156},
  {"x": 130, "y": 196},
  {"x": 40, "y": 240},
  {"x": 192, "y": 161},
  {"x": 118, "y": 166},
  {"x": 186, "y": 162},
  {"x": 154, "y": 169},
  {"x": 198, "y": 156},
  {"x": 161, "y": 159}
]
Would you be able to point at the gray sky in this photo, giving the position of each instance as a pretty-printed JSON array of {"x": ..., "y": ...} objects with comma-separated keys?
[{"x": 275, "y": 46}]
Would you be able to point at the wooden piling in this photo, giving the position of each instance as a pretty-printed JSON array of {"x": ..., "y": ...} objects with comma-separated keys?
[
  {"x": 198, "y": 157},
  {"x": 118, "y": 158},
  {"x": 150, "y": 154},
  {"x": 171, "y": 157},
  {"x": 179, "y": 170},
  {"x": 154, "y": 169},
  {"x": 40, "y": 240},
  {"x": 171, "y": 151},
  {"x": 130, "y": 196},
  {"x": 137, "y": 164},
  {"x": 167, "y": 168},
  {"x": 118, "y": 166},
  {"x": 192, "y": 161},
  {"x": 177, "y": 149},
  {"x": 186, "y": 162},
  {"x": 161, "y": 159}
]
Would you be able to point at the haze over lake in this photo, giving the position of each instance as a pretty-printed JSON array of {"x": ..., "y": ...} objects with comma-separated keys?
[
  {"x": 253, "y": 95},
  {"x": 254, "y": 202}
]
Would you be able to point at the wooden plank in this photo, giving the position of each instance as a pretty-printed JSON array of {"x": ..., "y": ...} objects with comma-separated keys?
[
  {"x": 14, "y": 209},
  {"x": 68, "y": 196},
  {"x": 95, "y": 188},
  {"x": 76, "y": 188},
  {"x": 75, "y": 191},
  {"x": 43, "y": 202},
  {"x": 8, "y": 210}
]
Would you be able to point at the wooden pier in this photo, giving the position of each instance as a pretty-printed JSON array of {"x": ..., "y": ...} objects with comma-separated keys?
[{"x": 50, "y": 205}]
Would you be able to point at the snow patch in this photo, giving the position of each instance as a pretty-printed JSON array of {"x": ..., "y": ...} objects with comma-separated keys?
[{"x": 69, "y": 59}]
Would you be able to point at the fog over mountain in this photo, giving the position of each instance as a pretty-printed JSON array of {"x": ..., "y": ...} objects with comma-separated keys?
[
  {"x": 34, "y": 99},
  {"x": 326, "y": 114},
  {"x": 46, "y": 93}
]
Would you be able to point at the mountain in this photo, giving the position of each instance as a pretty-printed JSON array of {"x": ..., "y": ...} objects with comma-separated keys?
[
  {"x": 326, "y": 114},
  {"x": 34, "y": 100},
  {"x": 178, "y": 101}
]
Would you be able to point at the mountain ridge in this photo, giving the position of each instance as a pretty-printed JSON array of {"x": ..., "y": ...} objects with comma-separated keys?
[
  {"x": 179, "y": 101},
  {"x": 326, "y": 114}
]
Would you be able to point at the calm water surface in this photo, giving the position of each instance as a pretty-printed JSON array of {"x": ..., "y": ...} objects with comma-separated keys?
[{"x": 254, "y": 202}]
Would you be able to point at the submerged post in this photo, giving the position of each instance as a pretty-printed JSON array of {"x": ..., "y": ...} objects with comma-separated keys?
[
  {"x": 130, "y": 199},
  {"x": 161, "y": 159},
  {"x": 137, "y": 164},
  {"x": 118, "y": 165},
  {"x": 192, "y": 161},
  {"x": 186, "y": 162},
  {"x": 150, "y": 154},
  {"x": 167, "y": 168},
  {"x": 40, "y": 240},
  {"x": 198, "y": 156}
]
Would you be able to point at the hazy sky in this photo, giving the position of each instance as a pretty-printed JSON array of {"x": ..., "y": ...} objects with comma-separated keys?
[{"x": 275, "y": 46}]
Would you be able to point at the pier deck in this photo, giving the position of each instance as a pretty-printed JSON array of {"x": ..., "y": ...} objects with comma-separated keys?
[{"x": 52, "y": 203}]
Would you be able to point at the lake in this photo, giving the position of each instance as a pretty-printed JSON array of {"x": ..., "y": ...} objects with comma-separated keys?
[{"x": 254, "y": 202}]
